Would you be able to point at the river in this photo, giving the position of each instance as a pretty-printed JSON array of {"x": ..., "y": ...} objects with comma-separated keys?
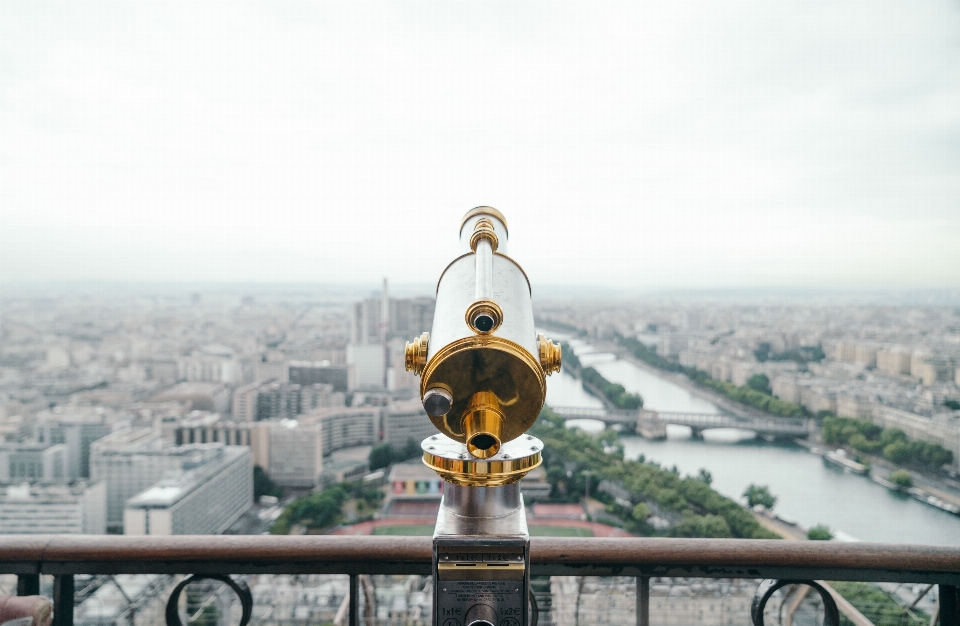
[{"x": 809, "y": 491}]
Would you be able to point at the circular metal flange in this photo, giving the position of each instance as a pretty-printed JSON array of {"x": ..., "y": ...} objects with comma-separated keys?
[{"x": 451, "y": 460}]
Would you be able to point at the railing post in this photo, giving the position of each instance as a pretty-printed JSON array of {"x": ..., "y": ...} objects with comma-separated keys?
[
  {"x": 28, "y": 584},
  {"x": 63, "y": 600},
  {"x": 643, "y": 601},
  {"x": 949, "y": 606},
  {"x": 354, "y": 617}
]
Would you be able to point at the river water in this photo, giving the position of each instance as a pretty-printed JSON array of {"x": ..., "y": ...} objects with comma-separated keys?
[{"x": 808, "y": 491}]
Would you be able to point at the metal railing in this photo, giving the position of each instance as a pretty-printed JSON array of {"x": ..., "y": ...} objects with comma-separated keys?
[{"x": 218, "y": 557}]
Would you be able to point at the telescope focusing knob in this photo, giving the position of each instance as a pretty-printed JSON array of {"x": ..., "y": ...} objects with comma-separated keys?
[
  {"x": 415, "y": 354},
  {"x": 437, "y": 401},
  {"x": 550, "y": 355}
]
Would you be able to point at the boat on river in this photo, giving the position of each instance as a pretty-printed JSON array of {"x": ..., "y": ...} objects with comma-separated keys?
[
  {"x": 927, "y": 498},
  {"x": 841, "y": 460}
]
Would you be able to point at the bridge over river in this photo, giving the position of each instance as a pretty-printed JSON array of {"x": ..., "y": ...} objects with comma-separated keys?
[{"x": 653, "y": 424}]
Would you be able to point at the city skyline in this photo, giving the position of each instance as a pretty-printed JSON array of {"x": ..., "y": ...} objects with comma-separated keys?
[{"x": 639, "y": 147}]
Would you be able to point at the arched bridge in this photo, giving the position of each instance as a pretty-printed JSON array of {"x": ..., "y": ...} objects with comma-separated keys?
[{"x": 653, "y": 423}]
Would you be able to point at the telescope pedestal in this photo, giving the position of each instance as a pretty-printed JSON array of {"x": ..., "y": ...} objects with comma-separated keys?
[{"x": 481, "y": 557}]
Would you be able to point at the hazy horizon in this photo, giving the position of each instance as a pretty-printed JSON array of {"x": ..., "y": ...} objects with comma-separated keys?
[{"x": 632, "y": 147}]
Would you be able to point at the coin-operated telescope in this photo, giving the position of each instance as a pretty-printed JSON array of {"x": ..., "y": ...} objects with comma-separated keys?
[{"x": 483, "y": 372}]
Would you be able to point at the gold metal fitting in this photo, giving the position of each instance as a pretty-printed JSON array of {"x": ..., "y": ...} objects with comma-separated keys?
[
  {"x": 483, "y": 210},
  {"x": 550, "y": 355},
  {"x": 482, "y": 425},
  {"x": 483, "y": 229},
  {"x": 484, "y": 316},
  {"x": 454, "y": 464},
  {"x": 483, "y": 363},
  {"x": 415, "y": 354}
]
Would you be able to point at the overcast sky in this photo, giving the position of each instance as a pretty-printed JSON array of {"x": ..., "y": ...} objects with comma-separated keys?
[{"x": 637, "y": 145}]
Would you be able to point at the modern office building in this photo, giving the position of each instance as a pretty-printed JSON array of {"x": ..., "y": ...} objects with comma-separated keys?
[
  {"x": 128, "y": 461},
  {"x": 212, "y": 364},
  {"x": 318, "y": 372},
  {"x": 214, "y": 431},
  {"x": 366, "y": 366},
  {"x": 346, "y": 427},
  {"x": 270, "y": 399},
  {"x": 320, "y": 396},
  {"x": 213, "y": 489},
  {"x": 76, "y": 433},
  {"x": 33, "y": 462},
  {"x": 406, "y": 421},
  {"x": 243, "y": 407},
  {"x": 290, "y": 450},
  {"x": 405, "y": 317},
  {"x": 53, "y": 509}
]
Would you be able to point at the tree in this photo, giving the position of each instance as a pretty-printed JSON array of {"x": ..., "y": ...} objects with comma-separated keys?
[
  {"x": 263, "y": 486},
  {"x": 892, "y": 435},
  {"x": 760, "y": 382},
  {"x": 953, "y": 405},
  {"x": 705, "y": 476},
  {"x": 760, "y": 495},
  {"x": 762, "y": 353},
  {"x": 897, "y": 452},
  {"x": 901, "y": 478},
  {"x": 701, "y": 526},
  {"x": 381, "y": 456},
  {"x": 641, "y": 512},
  {"x": 410, "y": 450},
  {"x": 820, "y": 532}
]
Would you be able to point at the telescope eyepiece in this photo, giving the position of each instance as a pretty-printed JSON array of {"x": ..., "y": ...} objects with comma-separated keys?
[{"x": 483, "y": 322}]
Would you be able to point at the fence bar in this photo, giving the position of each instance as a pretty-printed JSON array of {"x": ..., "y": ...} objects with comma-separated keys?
[
  {"x": 28, "y": 585},
  {"x": 949, "y": 605},
  {"x": 354, "y": 619},
  {"x": 643, "y": 601},
  {"x": 63, "y": 600}
]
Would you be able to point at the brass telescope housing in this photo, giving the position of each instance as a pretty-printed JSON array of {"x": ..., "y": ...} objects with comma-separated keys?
[{"x": 483, "y": 367}]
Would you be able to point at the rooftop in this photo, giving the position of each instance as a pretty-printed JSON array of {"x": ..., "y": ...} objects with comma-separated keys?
[{"x": 200, "y": 462}]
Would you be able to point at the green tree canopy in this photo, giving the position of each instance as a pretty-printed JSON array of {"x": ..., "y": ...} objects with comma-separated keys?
[
  {"x": 761, "y": 383},
  {"x": 820, "y": 532},
  {"x": 263, "y": 486},
  {"x": 381, "y": 456},
  {"x": 760, "y": 495},
  {"x": 901, "y": 478},
  {"x": 897, "y": 452}
]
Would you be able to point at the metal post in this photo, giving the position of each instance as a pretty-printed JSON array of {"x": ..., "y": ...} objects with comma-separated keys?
[
  {"x": 28, "y": 584},
  {"x": 354, "y": 618},
  {"x": 949, "y": 606},
  {"x": 63, "y": 600},
  {"x": 643, "y": 601}
]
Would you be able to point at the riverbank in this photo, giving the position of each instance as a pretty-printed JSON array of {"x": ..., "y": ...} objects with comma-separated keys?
[
  {"x": 681, "y": 380},
  {"x": 946, "y": 489}
]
